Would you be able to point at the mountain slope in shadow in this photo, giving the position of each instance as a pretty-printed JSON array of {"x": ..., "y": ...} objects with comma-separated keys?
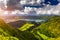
[{"x": 11, "y": 31}]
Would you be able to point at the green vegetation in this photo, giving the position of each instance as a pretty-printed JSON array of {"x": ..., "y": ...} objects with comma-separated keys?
[
  {"x": 10, "y": 33},
  {"x": 2, "y": 37},
  {"x": 45, "y": 31},
  {"x": 49, "y": 30},
  {"x": 26, "y": 26}
]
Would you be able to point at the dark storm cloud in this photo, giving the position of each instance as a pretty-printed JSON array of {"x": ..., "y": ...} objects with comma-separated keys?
[
  {"x": 12, "y": 2},
  {"x": 14, "y": 5}
]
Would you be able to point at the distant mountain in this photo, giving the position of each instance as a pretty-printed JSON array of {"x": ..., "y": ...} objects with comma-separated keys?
[
  {"x": 17, "y": 24},
  {"x": 14, "y": 18}
]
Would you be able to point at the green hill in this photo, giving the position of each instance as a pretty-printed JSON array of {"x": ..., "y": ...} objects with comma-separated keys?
[
  {"x": 8, "y": 32},
  {"x": 49, "y": 30}
]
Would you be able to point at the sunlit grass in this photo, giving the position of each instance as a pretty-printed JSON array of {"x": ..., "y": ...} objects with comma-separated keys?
[
  {"x": 2, "y": 37},
  {"x": 26, "y": 26}
]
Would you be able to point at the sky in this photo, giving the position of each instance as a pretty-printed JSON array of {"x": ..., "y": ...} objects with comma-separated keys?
[{"x": 30, "y": 7}]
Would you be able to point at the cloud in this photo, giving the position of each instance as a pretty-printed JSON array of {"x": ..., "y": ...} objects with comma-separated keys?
[
  {"x": 48, "y": 9},
  {"x": 17, "y": 5},
  {"x": 31, "y": 2},
  {"x": 12, "y": 2}
]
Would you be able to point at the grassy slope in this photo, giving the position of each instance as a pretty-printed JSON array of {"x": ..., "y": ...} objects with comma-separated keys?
[
  {"x": 8, "y": 31},
  {"x": 49, "y": 30},
  {"x": 26, "y": 26}
]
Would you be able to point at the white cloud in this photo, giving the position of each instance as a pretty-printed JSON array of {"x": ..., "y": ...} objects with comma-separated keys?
[
  {"x": 48, "y": 9},
  {"x": 23, "y": 2},
  {"x": 4, "y": 2},
  {"x": 32, "y": 2},
  {"x": 36, "y": 11},
  {"x": 39, "y": 1}
]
